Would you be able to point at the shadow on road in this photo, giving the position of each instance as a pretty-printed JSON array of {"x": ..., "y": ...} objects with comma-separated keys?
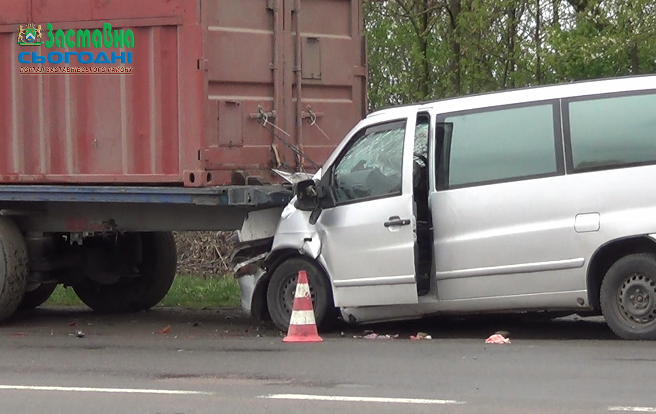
[
  {"x": 232, "y": 322},
  {"x": 480, "y": 327}
]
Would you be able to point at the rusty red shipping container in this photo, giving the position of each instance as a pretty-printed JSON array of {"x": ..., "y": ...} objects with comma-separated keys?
[{"x": 217, "y": 86}]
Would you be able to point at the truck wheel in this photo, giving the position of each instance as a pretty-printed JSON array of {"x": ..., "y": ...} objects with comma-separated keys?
[
  {"x": 156, "y": 274},
  {"x": 628, "y": 297},
  {"x": 14, "y": 271},
  {"x": 282, "y": 289},
  {"x": 35, "y": 298}
]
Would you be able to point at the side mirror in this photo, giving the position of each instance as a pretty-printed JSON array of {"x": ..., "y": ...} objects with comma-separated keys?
[
  {"x": 325, "y": 199},
  {"x": 324, "y": 195},
  {"x": 307, "y": 195}
]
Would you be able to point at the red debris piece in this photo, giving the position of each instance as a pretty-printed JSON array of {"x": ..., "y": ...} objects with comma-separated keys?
[{"x": 497, "y": 339}]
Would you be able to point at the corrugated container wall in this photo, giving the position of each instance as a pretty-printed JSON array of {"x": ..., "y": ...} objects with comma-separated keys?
[{"x": 214, "y": 89}]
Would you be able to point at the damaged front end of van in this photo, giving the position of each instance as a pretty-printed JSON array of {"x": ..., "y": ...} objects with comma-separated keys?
[{"x": 267, "y": 239}]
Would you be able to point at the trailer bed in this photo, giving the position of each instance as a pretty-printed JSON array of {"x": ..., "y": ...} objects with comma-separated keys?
[
  {"x": 248, "y": 197},
  {"x": 80, "y": 209}
]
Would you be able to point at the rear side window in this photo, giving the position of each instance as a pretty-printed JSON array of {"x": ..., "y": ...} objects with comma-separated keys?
[
  {"x": 499, "y": 145},
  {"x": 613, "y": 132}
]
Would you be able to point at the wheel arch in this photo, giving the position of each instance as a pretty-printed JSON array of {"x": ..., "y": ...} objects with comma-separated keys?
[
  {"x": 609, "y": 253},
  {"x": 259, "y": 307}
]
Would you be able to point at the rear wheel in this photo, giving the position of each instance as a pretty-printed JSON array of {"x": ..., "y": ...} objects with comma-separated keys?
[
  {"x": 628, "y": 297},
  {"x": 282, "y": 289},
  {"x": 142, "y": 291},
  {"x": 14, "y": 269},
  {"x": 35, "y": 298}
]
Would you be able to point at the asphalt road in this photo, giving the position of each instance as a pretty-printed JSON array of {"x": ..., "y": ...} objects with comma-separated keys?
[{"x": 217, "y": 361}]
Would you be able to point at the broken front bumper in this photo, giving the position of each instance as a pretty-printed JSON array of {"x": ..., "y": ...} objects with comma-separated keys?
[
  {"x": 248, "y": 274},
  {"x": 247, "y": 285}
]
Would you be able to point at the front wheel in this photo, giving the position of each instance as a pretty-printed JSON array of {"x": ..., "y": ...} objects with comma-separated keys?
[
  {"x": 282, "y": 289},
  {"x": 628, "y": 297}
]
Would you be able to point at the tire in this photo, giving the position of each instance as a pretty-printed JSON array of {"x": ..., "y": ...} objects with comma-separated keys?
[
  {"x": 14, "y": 270},
  {"x": 628, "y": 297},
  {"x": 282, "y": 288},
  {"x": 157, "y": 271},
  {"x": 35, "y": 298}
]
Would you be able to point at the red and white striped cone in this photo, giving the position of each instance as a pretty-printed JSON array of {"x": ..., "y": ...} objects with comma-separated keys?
[{"x": 302, "y": 326}]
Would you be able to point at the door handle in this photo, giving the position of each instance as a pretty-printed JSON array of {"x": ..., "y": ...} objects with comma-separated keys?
[{"x": 397, "y": 221}]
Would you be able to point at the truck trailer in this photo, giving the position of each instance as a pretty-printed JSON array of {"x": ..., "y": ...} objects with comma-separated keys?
[{"x": 123, "y": 121}]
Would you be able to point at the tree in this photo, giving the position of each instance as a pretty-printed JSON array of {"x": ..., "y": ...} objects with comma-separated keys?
[{"x": 430, "y": 49}]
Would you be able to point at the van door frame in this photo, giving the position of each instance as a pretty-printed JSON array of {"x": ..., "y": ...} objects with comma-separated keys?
[{"x": 359, "y": 288}]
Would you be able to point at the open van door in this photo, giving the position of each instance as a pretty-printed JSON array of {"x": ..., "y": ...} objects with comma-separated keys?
[{"x": 368, "y": 233}]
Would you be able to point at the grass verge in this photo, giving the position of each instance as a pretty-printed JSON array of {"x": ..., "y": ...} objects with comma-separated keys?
[
  {"x": 187, "y": 291},
  {"x": 63, "y": 297}
]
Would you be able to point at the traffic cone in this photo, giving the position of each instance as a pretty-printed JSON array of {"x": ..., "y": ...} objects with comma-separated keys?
[{"x": 302, "y": 326}]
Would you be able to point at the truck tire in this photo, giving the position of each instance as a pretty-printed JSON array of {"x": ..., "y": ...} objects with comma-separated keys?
[
  {"x": 35, "y": 298},
  {"x": 282, "y": 288},
  {"x": 628, "y": 297},
  {"x": 157, "y": 271},
  {"x": 14, "y": 270}
]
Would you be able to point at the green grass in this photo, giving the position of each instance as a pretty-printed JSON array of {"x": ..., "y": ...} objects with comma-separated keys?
[
  {"x": 187, "y": 291},
  {"x": 196, "y": 292},
  {"x": 63, "y": 297}
]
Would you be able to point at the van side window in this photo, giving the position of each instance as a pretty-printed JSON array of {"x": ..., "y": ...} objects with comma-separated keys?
[
  {"x": 613, "y": 132},
  {"x": 372, "y": 166},
  {"x": 499, "y": 145},
  {"x": 421, "y": 140}
]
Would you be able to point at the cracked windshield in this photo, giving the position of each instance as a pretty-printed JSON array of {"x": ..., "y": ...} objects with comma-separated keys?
[{"x": 373, "y": 165}]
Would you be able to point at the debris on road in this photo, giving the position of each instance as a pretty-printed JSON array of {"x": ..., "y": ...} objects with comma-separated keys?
[
  {"x": 78, "y": 334},
  {"x": 376, "y": 336},
  {"x": 164, "y": 331},
  {"x": 18, "y": 334},
  {"x": 369, "y": 334},
  {"x": 498, "y": 338},
  {"x": 74, "y": 323},
  {"x": 420, "y": 336}
]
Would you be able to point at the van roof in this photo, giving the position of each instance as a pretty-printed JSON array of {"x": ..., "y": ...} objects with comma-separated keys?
[{"x": 532, "y": 93}]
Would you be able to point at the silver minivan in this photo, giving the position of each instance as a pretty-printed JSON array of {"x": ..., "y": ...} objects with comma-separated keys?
[{"x": 539, "y": 199}]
